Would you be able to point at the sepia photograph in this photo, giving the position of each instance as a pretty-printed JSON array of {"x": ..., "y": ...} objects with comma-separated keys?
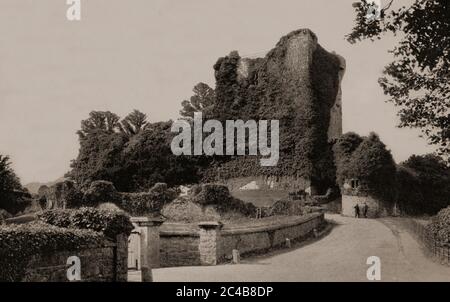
[{"x": 224, "y": 141}]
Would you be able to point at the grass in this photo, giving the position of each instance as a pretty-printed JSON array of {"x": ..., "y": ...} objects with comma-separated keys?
[{"x": 261, "y": 198}]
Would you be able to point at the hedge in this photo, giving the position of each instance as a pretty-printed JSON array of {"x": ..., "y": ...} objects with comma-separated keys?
[
  {"x": 146, "y": 203},
  {"x": 110, "y": 223},
  {"x": 18, "y": 243},
  {"x": 220, "y": 197},
  {"x": 440, "y": 227}
]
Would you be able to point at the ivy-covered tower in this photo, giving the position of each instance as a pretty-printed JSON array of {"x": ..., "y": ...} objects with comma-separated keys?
[{"x": 298, "y": 83}]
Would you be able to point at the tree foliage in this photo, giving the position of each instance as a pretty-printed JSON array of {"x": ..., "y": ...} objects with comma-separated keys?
[
  {"x": 203, "y": 100},
  {"x": 368, "y": 160},
  {"x": 418, "y": 80},
  {"x": 133, "y": 123},
  {"x": 10, "y": 199},
  {"x": 426, "y": 185},
  {"x": 131, "y": 153},
  {"x": 99, "y": 121},
  {"x": 8, "y": 178}
]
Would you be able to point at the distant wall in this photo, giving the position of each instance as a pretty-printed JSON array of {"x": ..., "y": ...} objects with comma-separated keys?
[
  {"x": 102, "y": 263},
  {"x": 376, "y": 208},
  {"x": 186, "y": 245}
]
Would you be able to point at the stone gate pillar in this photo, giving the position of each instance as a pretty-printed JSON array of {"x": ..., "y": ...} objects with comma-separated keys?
[
  {"x": 209, "y": 246},
  {"x": 149, "y": 234}
]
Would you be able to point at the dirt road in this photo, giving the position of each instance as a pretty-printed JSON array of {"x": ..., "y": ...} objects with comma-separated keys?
[{"x": 339, "y": 256}]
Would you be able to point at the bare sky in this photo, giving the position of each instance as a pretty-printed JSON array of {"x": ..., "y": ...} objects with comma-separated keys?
[{"x": 147, "y": 55}]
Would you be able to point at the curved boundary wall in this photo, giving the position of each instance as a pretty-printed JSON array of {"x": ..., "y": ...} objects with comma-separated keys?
[{"x": 209, "y": 243}]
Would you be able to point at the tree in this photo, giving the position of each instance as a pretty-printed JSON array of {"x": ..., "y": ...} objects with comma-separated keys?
[
  {"x": 148, "y": 159},
  {"x": 203, "y": 100},
  {"x": 10, "y": 200},
  {"x": 366, "y": 159},
  {"x": 343, "y": 150},
  {"x": 103, "y": 121},
  {"x": 418, "y": 80},
  {"x": 132, "y": 154},
  {"x": 8, "y": 178},
  {"x": 133, "y": 123},
  {"x": 432, "y": 177}
]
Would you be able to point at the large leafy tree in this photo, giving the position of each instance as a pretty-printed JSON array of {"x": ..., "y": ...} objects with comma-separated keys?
[
  {"x": 366, "y": 159},
  {"x": 433, "y": 178},
  {"x": 418, "y": 80},
  {"x": 133, "y": 123},
  {"x": 131, "y": 153},
  {"x": 203, "y": 101},
  {"x": 99, "y": 121}
]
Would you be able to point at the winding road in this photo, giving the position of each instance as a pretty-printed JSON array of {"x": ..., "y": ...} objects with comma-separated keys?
[{"x": 339, "y": 256}]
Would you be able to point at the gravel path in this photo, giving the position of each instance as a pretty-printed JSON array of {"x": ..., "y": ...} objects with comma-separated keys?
[{"x": 339, "y": 256}]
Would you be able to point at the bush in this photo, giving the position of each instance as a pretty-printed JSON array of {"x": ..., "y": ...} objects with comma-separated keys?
[
  {"x": 110, "y": 223},
  {"x": 101, "y": 191},
  {"x": 220, "y": 197},
  {"x": 18, "y": 243},
  {"x": 150, "y": 202},
  {"x": 64, "y": 194},
  {"x": 286, "y": 207},
  {"x": 4, "y": 215},
  {"x": 210, "y": 194},
  {"x": 440, "y": 227}
]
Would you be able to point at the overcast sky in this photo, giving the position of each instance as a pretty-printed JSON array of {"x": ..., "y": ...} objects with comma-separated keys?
[{"x": 147, "y": 55}]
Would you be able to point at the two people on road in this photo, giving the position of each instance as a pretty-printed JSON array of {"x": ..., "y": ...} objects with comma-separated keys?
[{"x": 358, "y": 208}]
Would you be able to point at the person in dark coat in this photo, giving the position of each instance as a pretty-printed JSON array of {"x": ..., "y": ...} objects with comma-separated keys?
[
  {"x": 365, "y": 209},
  {"x": 356, "y": 207}
]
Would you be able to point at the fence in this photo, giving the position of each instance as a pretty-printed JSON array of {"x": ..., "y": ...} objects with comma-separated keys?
[{"x": 432, "y": 246}]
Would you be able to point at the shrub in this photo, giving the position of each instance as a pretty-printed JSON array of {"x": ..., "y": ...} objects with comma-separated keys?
[
  {"x": 101, "y": 191},
  {"x": 18, "y": 243},
  {"x": 150, "y": 202},
  {"x": 440, "y": 227},
  {"x": 285, "y": 207},
  {"x": 220, "y": 197},
  {"x": 110, "y": 223},
  {"x": 210, "y": 194},
  {"x": 4, "y": 215}
]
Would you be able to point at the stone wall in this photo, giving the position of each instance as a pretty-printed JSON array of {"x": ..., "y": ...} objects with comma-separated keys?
[
  {"x": 249, "y": 239},
  {"x": 106, "y": 262},
  {"x": 376, "y": 208},
  {"x": 179, "y": 245},
  {"x": 210, "y": 243}
]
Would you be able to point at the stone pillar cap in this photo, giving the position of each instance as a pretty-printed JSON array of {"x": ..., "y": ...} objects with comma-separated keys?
[
  {"x": 147, "y": 221},
  {"x": 210, "y": 224}
]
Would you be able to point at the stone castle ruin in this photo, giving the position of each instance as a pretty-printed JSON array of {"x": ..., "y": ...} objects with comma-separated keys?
[{"x": 299, "y": 83}]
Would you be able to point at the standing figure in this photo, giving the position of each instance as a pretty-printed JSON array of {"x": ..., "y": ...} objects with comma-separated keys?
[
  {"x": 356, "y": 207},
  {"x": 365, "y": 209}
]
